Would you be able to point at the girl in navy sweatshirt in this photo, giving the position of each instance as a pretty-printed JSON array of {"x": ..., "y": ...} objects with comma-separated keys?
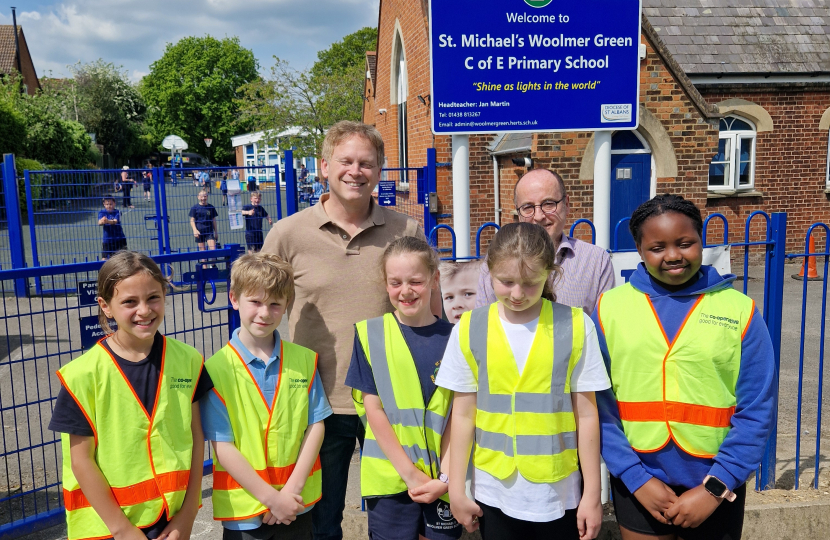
[{"x": 692, "y": 399}]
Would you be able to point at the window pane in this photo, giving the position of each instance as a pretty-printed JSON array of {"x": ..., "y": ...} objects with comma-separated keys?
[
  {"x": 724, "y": 150},
  {"x": 740, "y": 125},
  {"x": 719, "y": 174},
  {"x": 746, "y": 149}
]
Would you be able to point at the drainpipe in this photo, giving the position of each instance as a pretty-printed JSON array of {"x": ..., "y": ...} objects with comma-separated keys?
[
  {"x": 602, "y": 188},
  {"x": 17, "y": 48},
  {"x": 497, "y": 208}
]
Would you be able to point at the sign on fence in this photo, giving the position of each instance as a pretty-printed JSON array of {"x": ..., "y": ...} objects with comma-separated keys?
[
  {"x": 91, "y": 330},
  {"x": 386, "y": 193},
  {"x": 87, "y": 293},
  {"x": 534, "y": 65}
]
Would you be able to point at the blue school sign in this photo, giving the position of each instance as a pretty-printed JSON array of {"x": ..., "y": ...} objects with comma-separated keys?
[{"x": 534, "y": 65}]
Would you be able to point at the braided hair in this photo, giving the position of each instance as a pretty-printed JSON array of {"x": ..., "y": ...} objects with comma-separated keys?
[{"x": 660, "y": 205}]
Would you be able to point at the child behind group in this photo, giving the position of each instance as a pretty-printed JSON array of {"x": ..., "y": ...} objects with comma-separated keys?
[
  {"x": 254, "y": 214},
  {"x": 459, "y": 285},
  {"x": 265, "y": 416},
  {"x": 113, "y": 234},
  {"x": 524, "y": 371},
  {"x": 132, "y": 443},
  {"x": 403, "y": 469},
  {"x": 203, "y": 222},
  {"x": 693, "y": 374}
]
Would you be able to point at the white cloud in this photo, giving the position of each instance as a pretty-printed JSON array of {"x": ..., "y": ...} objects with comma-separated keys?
[{"x": 134, "y": 33}]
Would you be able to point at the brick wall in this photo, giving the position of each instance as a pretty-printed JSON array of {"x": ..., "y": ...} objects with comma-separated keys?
[{"x": 790, "y": 164}]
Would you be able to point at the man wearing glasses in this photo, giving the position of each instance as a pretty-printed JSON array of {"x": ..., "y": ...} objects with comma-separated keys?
[{"x": 541, "y": 198}]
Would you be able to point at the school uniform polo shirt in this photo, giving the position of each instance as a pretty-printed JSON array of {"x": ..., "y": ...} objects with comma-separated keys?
[{"x": 338, "y": 282}]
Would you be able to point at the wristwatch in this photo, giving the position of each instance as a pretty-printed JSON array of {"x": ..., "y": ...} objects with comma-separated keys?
[
  {"x": 444, "y": 478},
  {"x": 717, "y": 488}
]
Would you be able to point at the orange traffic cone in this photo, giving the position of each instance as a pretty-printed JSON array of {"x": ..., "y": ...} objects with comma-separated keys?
[{"x": 810, "y": 262}]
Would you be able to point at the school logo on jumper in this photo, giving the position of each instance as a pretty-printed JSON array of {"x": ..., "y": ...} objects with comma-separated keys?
[
  {"x": 443, "y": 510},
  {"x": 538, "y": 3},
  {"x": 616, "y": 113}
]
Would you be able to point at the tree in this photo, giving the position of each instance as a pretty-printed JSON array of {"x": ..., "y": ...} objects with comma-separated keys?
[
  {"x": 305, "y": 104},
  {"x": 12, "y": 122},
  {"x": 192, "y": 91},
  {"x": 105, "y": 101},
  {"x": 345, "y": 54}
]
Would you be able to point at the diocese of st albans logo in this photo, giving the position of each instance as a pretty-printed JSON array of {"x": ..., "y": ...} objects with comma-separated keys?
[{"x": 538, "y": 3}]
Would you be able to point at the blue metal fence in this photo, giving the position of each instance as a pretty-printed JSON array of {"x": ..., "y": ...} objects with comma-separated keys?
[{"x": 43, "y": 333}]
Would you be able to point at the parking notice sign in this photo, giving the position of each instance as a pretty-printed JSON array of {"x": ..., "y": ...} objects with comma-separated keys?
[
  {"x": 534, "y": 65},
  {"x": 386, "y": 193}
]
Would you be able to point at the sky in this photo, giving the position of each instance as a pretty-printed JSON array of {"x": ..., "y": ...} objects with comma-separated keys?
[{"x": 134, "y": 33}]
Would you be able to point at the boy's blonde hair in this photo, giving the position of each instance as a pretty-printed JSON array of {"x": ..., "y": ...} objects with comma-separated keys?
[
  {"x": 255, "y": 272},
  {"x": 450, "y": 269}
]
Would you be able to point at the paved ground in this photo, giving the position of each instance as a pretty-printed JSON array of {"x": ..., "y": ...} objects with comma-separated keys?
[{"x": 41, "y": 334}]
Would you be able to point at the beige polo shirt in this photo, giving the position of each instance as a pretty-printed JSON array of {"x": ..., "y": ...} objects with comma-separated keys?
[{"x": 338, "y": 282}]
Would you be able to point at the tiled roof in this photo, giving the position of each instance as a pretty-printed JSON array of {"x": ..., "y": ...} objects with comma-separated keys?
[
  {"x": 744, "y": 36},
  {"x": 7, "y": 60}
]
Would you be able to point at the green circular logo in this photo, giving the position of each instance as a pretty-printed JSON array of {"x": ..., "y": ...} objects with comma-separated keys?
[{"x": 538, "y": 3}]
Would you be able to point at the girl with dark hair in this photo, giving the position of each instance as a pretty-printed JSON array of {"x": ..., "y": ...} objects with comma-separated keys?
[{"x": 692, "y": 397}]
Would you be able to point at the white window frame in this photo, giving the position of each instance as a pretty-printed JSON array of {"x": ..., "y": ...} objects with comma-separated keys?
[
  {"x": 735, "y": 137},
  {"x": 827, "y": 172}
]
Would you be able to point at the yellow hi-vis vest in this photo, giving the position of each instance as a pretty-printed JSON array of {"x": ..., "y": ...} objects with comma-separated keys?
[
  {"x": 419, "y": 428},
  {"x": 524, "y": 422},
  {"x": 267, "y": 435},
  {"x": 145, "y": 459},
  {"x": 682, "y": 390}
]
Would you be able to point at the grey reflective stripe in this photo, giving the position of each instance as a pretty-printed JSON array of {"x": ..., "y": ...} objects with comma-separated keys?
[
  {"x": 404, "y": 417},
  {"x": 372, "y": 449},
  {"x": 545, "y": 445},
  {"x": 435, "y": 421},
  {"x": 485, "y": 401},
  {"x": 556, "y": 401},
  {"x": 380, "y": 367},
  {"x": 498, "y": 442}
]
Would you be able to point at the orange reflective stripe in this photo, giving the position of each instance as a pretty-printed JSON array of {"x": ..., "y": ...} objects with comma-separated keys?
[
  {"x": 276, "y": 476},
  {"x": 135, "y": 494},
  {"x": 670, "y": 411}
]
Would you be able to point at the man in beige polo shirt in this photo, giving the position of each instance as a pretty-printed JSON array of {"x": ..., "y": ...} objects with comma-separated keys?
[{"x": 335, "y": 248}]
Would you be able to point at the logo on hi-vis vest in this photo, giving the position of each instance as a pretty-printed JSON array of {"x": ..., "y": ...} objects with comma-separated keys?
[
  {"x": 177, "y": 382},
  {"x": 719, "y": 320},
  {"x": 538, "y": 3},
  {"x": 298, "y": 383}
]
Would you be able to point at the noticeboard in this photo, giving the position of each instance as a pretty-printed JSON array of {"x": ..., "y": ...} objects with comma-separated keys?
[
  {"x": 534, "y": 65},
  {"x": 386, "y": 193}
]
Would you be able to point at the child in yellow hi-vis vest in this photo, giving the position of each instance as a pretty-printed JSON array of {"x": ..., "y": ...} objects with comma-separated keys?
[
  {"x": 127, "y": 412},
  {"x": 265, "y": 415},
  {"x": 403, "y": 468},
  {"x": 693, "y": 393},
  {"x": 524, "y": 371}
]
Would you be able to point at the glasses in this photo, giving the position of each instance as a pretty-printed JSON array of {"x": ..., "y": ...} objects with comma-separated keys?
[{"x": 548, "y": 207}]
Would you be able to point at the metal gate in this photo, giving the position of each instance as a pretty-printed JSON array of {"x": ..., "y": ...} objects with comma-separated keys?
[{"x": 42, "y": 333}]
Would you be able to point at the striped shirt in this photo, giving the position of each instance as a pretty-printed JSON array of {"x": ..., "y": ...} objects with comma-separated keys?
[{"x": 586, "y": 273}]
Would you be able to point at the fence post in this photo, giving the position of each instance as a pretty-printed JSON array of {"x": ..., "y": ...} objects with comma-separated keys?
[
  {"x": 237, "y": 251},
  {"x": 279, "y": 191},
  {"x": 431, "y": 186},
  {"x": 15, "y": 222},
  {"x": 773, "y": 305},
  {"x": 158, "y": 172},
  {"x": 291, "y": 201},
  {"x": 158, "y": 203}
]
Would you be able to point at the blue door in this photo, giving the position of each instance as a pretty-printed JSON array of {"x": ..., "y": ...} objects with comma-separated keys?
[{"x": 630, "y": 187}]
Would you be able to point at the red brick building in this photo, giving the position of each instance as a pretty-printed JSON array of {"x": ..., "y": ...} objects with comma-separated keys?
[
  {"x": 8, "y": 60},
  {"x": 733, "y": 115}
]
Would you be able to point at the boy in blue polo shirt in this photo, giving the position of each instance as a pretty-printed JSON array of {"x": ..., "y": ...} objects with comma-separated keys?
[
  {"x": 275, "y": 502},
  {"x": 114, "y": 239},
  {"x": 203, "y": 222},
  {"x": 254, "y": 214}
]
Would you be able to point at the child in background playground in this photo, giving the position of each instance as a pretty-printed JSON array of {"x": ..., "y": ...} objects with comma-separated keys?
[
  {"x": 147, "y": 178},
  {"x": 692, "y": 401},
  {"x": 264, "y": 492},
  {"x": 127, "y": 185},
  {"x": 525, "y": 354},
  {"x": 113, "y": 234},
  {"x": 459, "y": 284},
  {"x": 125, "y": 430},
  {"x": 251, "y": 187},
  {"x": 203, "y": 222},
  {"x": 223, "y": 186},
  {"x": 394, "y": 362},
  {"x": 254, "y": 214}
]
